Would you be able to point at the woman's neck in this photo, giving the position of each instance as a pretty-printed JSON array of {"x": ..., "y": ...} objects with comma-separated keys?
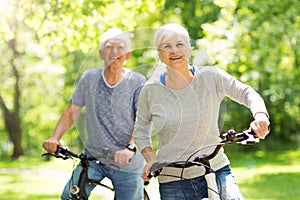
[
  {"x": 179, "y": 78},
  {"x": 113, "y": 75}
]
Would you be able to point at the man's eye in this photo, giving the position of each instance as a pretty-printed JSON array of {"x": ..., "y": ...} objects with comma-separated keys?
[
  {"x": 180, "y": 45},
  {"x": 121, "y": 47}
]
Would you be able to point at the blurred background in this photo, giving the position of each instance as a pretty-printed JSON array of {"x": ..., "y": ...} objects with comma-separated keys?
[{"x": 46, "y": 45}]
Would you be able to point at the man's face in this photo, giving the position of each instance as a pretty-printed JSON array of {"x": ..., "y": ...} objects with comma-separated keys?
[{"x": 114, "y": 53}]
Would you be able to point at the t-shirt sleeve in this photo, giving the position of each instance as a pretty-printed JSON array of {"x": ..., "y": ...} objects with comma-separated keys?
[{"x": 78, "y": 96}]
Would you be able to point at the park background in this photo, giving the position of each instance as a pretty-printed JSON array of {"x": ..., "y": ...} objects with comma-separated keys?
[{"x": 46, "y": 45}]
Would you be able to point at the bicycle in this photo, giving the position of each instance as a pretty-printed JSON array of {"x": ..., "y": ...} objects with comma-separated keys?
[
  {"x": 77, "y": 191},
  {"x": 246, "y": 137}
]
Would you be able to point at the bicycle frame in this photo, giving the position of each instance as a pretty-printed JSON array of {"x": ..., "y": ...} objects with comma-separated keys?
[{"x": 245, "y": 138}]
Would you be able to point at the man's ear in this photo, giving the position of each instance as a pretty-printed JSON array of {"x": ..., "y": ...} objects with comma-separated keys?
[
  {"x": 101, "y": 54},
  {"x": 128, "y": 54}
]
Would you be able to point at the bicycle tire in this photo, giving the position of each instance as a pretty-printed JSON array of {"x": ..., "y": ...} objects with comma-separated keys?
[{"x": 146, "y": 196}]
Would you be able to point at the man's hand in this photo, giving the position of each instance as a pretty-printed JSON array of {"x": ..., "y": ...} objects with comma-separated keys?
[
  {"x": 123, "y": 156},
  {"x": 50, "y": 145}
]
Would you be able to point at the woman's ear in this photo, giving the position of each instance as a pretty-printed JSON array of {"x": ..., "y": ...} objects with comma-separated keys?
[{"x": 158, "y": 56}]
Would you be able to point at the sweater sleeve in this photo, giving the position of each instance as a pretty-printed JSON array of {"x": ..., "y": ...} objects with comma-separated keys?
[
  {"x": 241, "y": 93},
  {"x": 142, "y": 129}
]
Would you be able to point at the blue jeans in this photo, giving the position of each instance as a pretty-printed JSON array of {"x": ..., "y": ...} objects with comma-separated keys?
[
  {"x": 127, "y": 185},
  {"x": 196, "y": 188}
]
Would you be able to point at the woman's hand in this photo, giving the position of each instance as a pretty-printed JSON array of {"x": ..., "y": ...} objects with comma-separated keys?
[
  {"x": 260, "y": 125},
  {"x": 146, "y": 171},
  {"x": 150, "y": 158}
]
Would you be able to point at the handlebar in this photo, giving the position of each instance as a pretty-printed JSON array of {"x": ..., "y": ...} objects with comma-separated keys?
[
  {"x": 63, "y": 152},
  {"x": 246, "y": 137}
]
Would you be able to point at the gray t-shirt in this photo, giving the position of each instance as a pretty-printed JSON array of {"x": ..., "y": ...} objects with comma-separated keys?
[
  {"x": 186, "y": 120},
  {"x": 110, "y": 114}
]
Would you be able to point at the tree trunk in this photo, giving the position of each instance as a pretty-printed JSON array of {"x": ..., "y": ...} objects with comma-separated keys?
[
  {"x": 12, "y": 117},
  {"x": 13, "y": 127}
]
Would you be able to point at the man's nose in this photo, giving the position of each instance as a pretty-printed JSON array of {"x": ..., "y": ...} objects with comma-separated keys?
[{"x": 115, "y": 50}]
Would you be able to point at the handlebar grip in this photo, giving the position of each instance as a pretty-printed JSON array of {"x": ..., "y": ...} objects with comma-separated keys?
[
  {"x": 62, "y": 152},
  {"x": 249, "y": 137},
  {"x": 156, "y": 169},
  {"x": 146, "y": 183},
  {"x": 245, "y": 137}
]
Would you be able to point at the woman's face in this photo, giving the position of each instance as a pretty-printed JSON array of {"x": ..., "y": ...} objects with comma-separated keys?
[{"x": 175, "y": 51}]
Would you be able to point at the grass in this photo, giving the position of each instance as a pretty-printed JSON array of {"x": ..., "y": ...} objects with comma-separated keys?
[
  {"x": 34, "y": 178},
  {"x": 260, "y": 175},
  {"x": 267, "y": 174}
]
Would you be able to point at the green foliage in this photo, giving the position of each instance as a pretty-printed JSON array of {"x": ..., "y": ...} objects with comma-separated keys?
[
  {"x": 256, "y": 41},
  {"x": 194, "y": 13}
]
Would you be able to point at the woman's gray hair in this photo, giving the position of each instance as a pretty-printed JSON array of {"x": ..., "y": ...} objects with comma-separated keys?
[
  {"x": 167, "y": 30},
  {"x": 115, "y": 33}
]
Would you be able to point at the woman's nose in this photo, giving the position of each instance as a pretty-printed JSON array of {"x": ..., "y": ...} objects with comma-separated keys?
[{"x": 173, "y": 49}]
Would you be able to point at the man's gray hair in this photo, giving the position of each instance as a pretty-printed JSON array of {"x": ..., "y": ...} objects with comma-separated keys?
[{"x": 115, "y": 33}]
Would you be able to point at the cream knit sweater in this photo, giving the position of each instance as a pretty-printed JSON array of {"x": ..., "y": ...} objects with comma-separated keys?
[{"x": 187, "y": 120}]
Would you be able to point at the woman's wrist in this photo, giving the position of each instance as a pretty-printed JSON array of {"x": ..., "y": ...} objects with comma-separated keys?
[
  {"x": 149, "y": 155},
  {"x": 261, "y": 113}
]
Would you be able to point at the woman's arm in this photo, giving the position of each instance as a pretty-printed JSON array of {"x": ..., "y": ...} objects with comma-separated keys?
[
  {"x": 246, "y": 95},
  {"x": 150, "y": 158}
]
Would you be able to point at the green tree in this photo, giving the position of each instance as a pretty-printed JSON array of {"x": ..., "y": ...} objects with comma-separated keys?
[
  {"x": 48, "y": 44},
  {"x": 258, "y": 42},
  {"x": 10, "y": 104}
]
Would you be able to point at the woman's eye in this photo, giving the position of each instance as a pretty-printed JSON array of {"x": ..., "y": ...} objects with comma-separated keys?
[
  {"x": 180, "y": 45},
  {"x": 166, "y": 47}
]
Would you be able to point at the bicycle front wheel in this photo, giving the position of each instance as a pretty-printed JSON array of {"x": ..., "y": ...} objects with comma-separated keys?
[{"x": 146, "y": 196}]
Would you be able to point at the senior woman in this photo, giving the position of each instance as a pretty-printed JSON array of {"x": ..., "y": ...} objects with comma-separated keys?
[{"x": 183, "y": 104}]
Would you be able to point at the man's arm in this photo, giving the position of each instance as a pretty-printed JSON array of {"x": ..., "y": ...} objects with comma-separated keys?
[{"x": 66, "y": 121}]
